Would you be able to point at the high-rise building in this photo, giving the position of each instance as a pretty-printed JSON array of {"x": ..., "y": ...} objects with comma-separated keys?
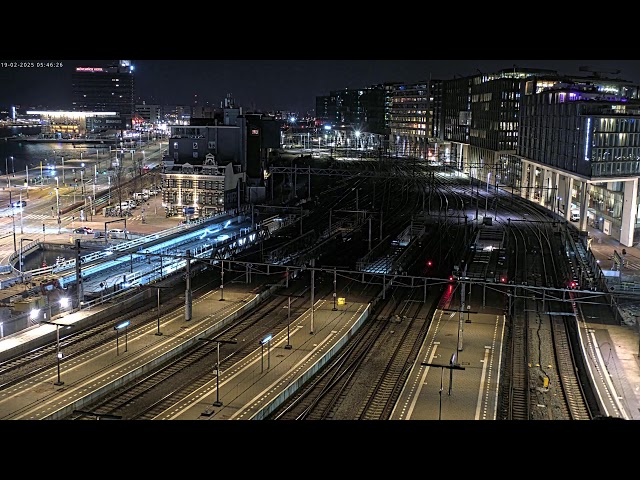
[{"x": 105, "y": 89}]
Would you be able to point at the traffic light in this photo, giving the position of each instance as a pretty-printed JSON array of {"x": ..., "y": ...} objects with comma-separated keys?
[{"x": 429, "y": 263}]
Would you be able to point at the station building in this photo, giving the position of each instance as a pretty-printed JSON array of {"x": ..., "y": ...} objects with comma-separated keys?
[
  {"x": 566, "y": 142},
  {"x": 218, "y": 163}
]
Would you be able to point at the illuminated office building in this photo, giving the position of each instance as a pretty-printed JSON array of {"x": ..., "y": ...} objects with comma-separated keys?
[{"x": 109, "y": 88}]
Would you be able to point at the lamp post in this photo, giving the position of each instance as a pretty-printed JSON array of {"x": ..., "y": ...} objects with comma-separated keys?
[
  {"x": 288, "y": 345},
  {"x": 117, "y": 328},
  {"x": 335, "y": 294},
  {"x": 217, "y": 403},
  {"x": 58, "y": 202},
  {"x": 26, "y": 183},
  {"x": 21, "y": 262},
  {"x": 21, "y": 208},
  {"x": 57, "y": 196},
  {"x": 13, "y": 220},
  {"x": 58, "y": 354},
  {"x": 222, "y": 280},
  {"x": 451, "y": 366},
  {"x": 62, "y": 170},
  {"x": 265, "y": 341},
  {"x": 158, "y": 332},
  {"x": 82, "y": 179},
  {"x": 6, "y": 169},
  {"x": 95, "y": 180},
  {"x": 57, "y": 325}
]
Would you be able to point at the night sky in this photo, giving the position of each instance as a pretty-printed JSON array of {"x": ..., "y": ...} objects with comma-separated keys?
[{"x": 280, "y": 84}]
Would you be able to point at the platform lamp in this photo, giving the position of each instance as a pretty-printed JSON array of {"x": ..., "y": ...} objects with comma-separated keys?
[
  {"x": 217, "y": 403},
  {"x": 57, "y": 325}
]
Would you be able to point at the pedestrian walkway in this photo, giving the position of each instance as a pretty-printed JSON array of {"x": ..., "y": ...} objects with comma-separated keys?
[{"x": 618, "y": 337}]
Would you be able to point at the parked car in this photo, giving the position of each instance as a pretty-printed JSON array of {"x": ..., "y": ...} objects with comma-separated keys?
[
  {"x": 117, "y": 233},
  {"x": 19, "y": 203},
  {"x": 84, "y": 230}
]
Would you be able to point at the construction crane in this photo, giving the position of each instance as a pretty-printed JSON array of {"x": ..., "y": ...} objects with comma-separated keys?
[{"x": 596, "y": 73}]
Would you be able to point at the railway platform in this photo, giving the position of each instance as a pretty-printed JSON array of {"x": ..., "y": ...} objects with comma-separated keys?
[
  {"x": 250, "y": 391},
  {"x": 617, "y": 338}
]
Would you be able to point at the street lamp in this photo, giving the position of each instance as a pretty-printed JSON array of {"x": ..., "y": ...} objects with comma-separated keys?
[
  {"x": 13, "y": 220},
  {"x": 158, "y": 332},
  {"x": 222, "y": 280},
  {"x": 21, "y": 208},
  {"x": 95, "y": 180},
  {"x": 22, "y": 240},
  {"x": 26, "y": 183},
  {"x": 288, "y": 345},
  {"x": 452, "y": 366},
  {"x": 58, "y": 202},
  {"x": 63, "y": 302},
  {"x": 117, "y": 328},
  {"x": 82, "y": 179},
  {"x": 265, "y": 341},
  {"x": 217, "y": 403}
]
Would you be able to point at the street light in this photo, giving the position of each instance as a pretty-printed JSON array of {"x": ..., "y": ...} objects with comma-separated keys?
[
  {"x": 217, "y": 403},
  {"x": 95, "y": 180},
  {"x": 452, "y": 366},
  {"x": 58, "y": 202},
  {"x": 82, "y": 179},
  {"x": 221, "y": 280},
  {"x": 266, "y": 340},
  {"x": 13, "y": 220},
  {"x": 22, "y": 240},
  {"x": 117, "y": 328},
  {"x": 26, "y": 183},
  {"x": 63, "y": 302}
]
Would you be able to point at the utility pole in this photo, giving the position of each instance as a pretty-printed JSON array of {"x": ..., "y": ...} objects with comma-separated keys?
[{"x": 187, "y": 293}]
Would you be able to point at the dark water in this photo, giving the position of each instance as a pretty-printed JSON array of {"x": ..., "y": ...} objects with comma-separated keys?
[
  {"x": 31, "y": 154},
  {"x": 39, "y": 258}
]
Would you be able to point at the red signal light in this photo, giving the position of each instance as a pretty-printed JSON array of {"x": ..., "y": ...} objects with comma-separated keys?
[
  {"x": 429, "y": 263},
  {"x": 503, "y": 279}
]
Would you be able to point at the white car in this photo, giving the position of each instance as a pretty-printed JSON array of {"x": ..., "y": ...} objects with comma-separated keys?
[{"x": 117, "y": 233}]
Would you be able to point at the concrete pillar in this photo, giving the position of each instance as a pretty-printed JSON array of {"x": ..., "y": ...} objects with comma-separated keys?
[
  {"x": 524, "y": 178},
  {"x": 568, "y": 184},
  {"x": 546, "y": 183},
  {"x": 629, "y": 209},
  {"x": 584, "y": 204}
]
